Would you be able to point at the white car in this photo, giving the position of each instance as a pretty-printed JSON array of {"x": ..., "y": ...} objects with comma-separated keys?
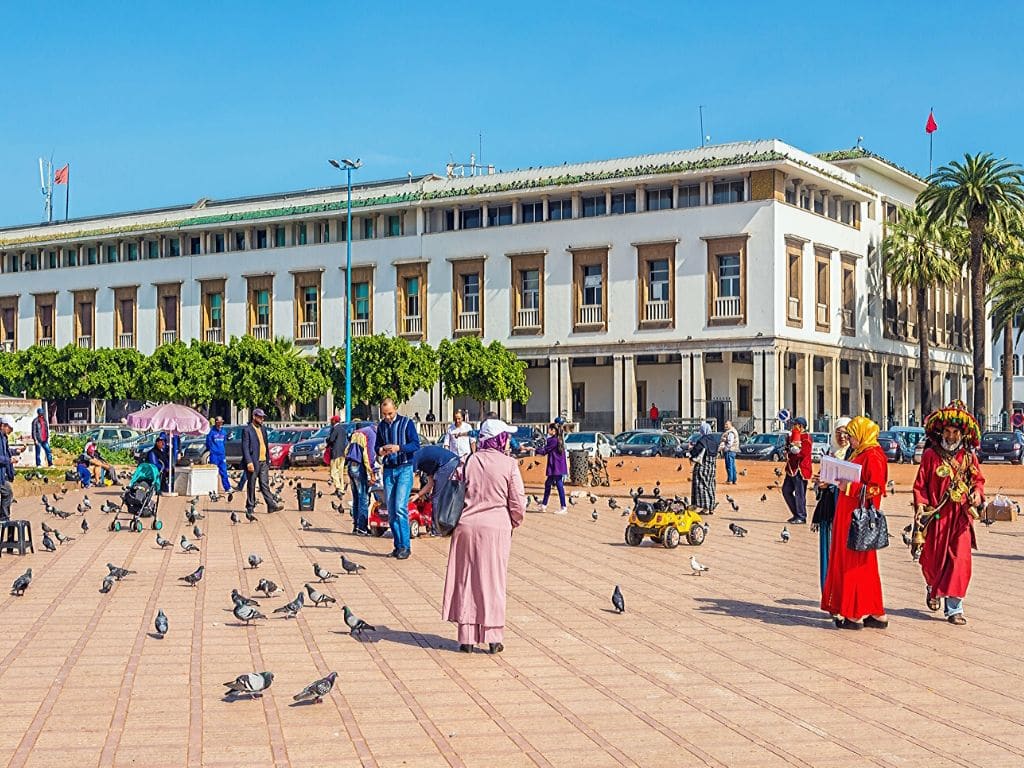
[
  {"x": 594, "y": 443},
  {"x": 820, "y": 443}
]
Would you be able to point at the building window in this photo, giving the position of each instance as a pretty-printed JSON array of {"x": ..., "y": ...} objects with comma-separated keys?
[
  {"x": 124, "y": 307},
  {"x": 528, "y": 293},
  {"x": 533, "y": 212},
  {"x": 279, "y": 237},
  {"x": 301, "y": 230},
  {"x": 727, "y": 192},
  {"x": 9, "y": 323},
  {"x": 470, "y": 218},
  {"x": 849, "y": 299},
  {"x": 729, "y": 275},
  {"x": 174, "y": 247},
  {"x": 217, "y": 310},
  {"x": 594, "y": 206},
  {"x": 310, "y": 303},
  {"x": 467, "y": 276},
  {"x": 655, "y": 267},
  {"x": 624, "y": 202},
  {"x": 325, "y": 231},
  {"x": 218, "y": 243},
  {"x": 262, "y": 302},
  {"x": 1016, "y": 364},
  {"x": 394, "y": 226},
  {"x": 412, "y": 298},
  {"x": 239, "y": 241},
  {"x": 152, "y": 249},
  {"x": 794, "y": 283},
  {"x": 213, "y": 311},
  {"x": 593, "y": 286},
  {"x": 727, "y": 284},
  {"x": 471, "y": 293},
  {"x": 589, "y": 270},
  {"x": 168, "y": 307},
  {"x": 33, "y": 261},
  {"x": 51, "y": 260},
  {"x": 71, "y": 257},
  {"x": 261, "y": 307},
  {"x": 90, "y": 255},
  {"x": 133, "y": 251},
  {"x": 307, "y": 307},
  {"x": 362, "y": 301},
  {"x": 499, "y": 215},
  {"x": 84, "y": 309},
  {"x": 44, "y": 320},
  {"x": 367, "y": 229},
  {"x": 657, "y": 276},
  {"x": 559, "y": 209},
  {"x": 744, "y": 397},
  {"x": 659, "y": 199},
  {"x": 822, "y": 272},
  {"x": 531, "y": 288},
  {"x": 261, "y": 238},
  {"x": 689, "y": 196}
]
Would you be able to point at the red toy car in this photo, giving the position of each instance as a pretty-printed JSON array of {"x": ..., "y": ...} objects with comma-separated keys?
[{"x": 421, "y": 515}]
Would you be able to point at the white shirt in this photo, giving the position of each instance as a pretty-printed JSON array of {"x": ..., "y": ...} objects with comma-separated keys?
[{"x": 457, "y": 439}]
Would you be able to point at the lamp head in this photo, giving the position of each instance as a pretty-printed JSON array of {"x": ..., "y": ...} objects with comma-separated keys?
[
  {"x": 335, "y": 163},
  {"x": 353, "y": 164}
]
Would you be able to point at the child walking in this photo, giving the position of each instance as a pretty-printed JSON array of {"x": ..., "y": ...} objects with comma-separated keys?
[{"x": 557, "y": 468}]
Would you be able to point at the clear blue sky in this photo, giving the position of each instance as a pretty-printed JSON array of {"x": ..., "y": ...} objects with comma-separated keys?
[{"x": 163, "y": 103}]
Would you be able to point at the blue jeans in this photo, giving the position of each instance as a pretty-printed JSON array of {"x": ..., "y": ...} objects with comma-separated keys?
[
  {"x": 730, "y": 466},
  {"x": 45, "y": 449},
  {"x": 554, "y": 481},
  {"x": 360, "y": 484},
  {"x": 397, "y": 487},
  {"x": 222, "y": 467},
  {"x": 954, "y": 606}
]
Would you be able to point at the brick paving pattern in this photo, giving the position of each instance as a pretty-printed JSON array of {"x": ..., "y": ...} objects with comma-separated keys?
[{"x": 735, "y": 668}]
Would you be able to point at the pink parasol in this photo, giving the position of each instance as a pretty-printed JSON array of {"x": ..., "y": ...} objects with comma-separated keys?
[{"x": 171, "y": 418}]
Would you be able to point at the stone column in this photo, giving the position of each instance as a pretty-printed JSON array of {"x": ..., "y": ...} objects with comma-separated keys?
[
  {"x": 517, "y": 211},
  {"x": 608, "y": 202},
  {"x": 456, "y": 222},
  {"x": 577, "y": 205},
  {"x": 566, "y": 393},
  {"x": 421, "y": 222},
  {"x": 883, "y": 377},
  {"x": 856, "y": 388},
  {"x": 553, "y": 391},
  {"x": 830, "y": 382},
  {"x": 685, "y": 382},
  {"x": 641, "y": 198},
  {"x": 804, "y": 380},
  {"x": 901, "y": 393},
  {"x": 544, "y": 208},
  {"x": 484, "y": 210},
  {"x": 629, "y": 391},
  {"x": 699, "y": 400},
  {"x": 617, "y": 399}
]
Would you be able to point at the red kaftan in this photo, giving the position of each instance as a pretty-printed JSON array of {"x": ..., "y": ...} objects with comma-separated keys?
[
  {"x": 853, "y": 588},
  {"x": 946, "y": 556}
]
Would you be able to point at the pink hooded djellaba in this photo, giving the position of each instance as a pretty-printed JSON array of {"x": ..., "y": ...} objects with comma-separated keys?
[{"x": 475, "y": 583}]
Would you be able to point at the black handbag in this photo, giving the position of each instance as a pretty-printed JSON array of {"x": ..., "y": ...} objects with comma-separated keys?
[
  {"x": 868, "y": 527},
  {"x": 448, "y": 509}
]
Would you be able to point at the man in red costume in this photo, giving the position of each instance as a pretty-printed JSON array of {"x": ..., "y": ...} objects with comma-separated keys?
[
  {"x": 948, "y": 489},
  {"x": 798, "y": 471}
]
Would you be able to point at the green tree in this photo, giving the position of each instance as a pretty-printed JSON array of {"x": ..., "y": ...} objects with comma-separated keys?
[
  {"x": 1006, "y": 294},
  {"x": 277, "y": 373},
  {"x": 469, "y": 369},
  {"x": 193, "y": 374},
  {"x": 985, "y": 195},
  {"x": 10, "y": 378},
  {"x": 115, "y": 373},
  {"x": 386, "y": 366},
  {"x": 917, "y": 256}
]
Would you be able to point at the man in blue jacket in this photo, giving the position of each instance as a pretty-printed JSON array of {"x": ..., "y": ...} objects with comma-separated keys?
[
  {"x": 6, "y": 469},
  {"x": 216, "y": 439},
  {"x": 256, "y": 457},
  {"x": 397, "y": 441}
]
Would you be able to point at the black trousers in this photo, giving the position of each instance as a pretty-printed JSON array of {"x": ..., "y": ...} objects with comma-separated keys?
[
  {"x": 794, "y": 491},
  {"x": 261, "y": 472},
  {"x": 6, "y": 497}
]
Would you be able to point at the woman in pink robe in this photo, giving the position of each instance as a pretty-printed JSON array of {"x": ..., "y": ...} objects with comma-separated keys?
[{"x": 474, "y": 585}]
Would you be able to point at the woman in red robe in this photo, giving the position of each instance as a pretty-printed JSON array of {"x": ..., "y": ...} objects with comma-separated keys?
[
  {"x": 853, "y": 588},
  {"x": 949, "y": 486}
]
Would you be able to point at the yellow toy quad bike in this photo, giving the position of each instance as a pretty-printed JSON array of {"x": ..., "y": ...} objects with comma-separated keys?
[{"x": 665, "y": 522}]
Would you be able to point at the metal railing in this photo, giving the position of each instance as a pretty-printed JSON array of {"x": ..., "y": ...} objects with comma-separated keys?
[
  {"x": 85, "y": 342},
  {"x": 727, "y": 307},
  {"x": 45, "y": 341},
  {"x": 591, "y": 314},
  {"x": 261, "y": 332},
  {"x": 308, "y": 331},
  {"x": 657, "y": 310},
  {"x": 215, "y": 335},
  {"x": 125, "y": 340},
  {"x": 361, "y": 327},
  {"x": 168, "y": 337},
  {"x": 528, "y": 318},
  {"x": 412, "y": 324},
  {"x": 793, "y": 311},
  {"x": 821, "y": 314},
  {"x": 469, "y": 321}
]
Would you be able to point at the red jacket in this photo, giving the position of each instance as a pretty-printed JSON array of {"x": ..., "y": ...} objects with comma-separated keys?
[{"x": 799, "y": 463}]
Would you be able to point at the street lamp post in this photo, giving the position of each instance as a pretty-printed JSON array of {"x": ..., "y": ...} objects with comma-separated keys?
[{"x": 348, "y": 166}]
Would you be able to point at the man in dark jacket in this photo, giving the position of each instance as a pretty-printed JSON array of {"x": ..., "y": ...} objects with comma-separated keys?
[
  {"x": 397, "y": 442},
  {"x": 41, "y": 437},
  {"x": 6, "y": 469},
  {"x": 255, "y": 456}
]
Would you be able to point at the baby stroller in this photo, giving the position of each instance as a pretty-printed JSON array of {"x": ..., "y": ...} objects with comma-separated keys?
[{"x": 140, "y": 500}]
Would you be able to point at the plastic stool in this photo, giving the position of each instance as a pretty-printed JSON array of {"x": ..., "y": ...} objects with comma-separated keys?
[{"x": 16, "y": 536}]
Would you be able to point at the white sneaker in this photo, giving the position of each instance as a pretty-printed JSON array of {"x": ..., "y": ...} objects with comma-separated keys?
[{"x": 562, "y": 511}]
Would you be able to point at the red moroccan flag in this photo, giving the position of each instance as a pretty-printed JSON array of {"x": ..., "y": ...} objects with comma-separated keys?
[
  {"x": 931, "y": 126},
  {"x": 61, "y": 175}
]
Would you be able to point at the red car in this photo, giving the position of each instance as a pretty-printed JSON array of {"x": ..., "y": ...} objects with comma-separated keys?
[
  {"x": 420, "y": 515},
  {"x": 281, "y": 442}
]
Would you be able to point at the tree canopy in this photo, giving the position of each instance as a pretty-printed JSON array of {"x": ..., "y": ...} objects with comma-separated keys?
[{"x": 469, "y": 369}]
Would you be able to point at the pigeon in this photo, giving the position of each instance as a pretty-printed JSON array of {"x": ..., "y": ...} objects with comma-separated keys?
[
  {"x": 318, "y": 598},
  {"x": 85, "y": 525},
  {"x": 778, "y": 472},
  {"x": 764, "y": 497},
  {"x": 118, "y": 572},
  {"x": 107, "y": 585},
  {"x": 322, "y": 573},
  {"x": 61, "y": 538},
  {"x": 292, "y": 609},
  {"x": 617, "y": 601},
  {"x": 593, "y": 515},
  {"x": 47, "y": 529},
  {"x": 696, "y": 567},
  {"x": 317, "y": 689},
  {"x": 245, "y": 612},
  {"x": 234, "y": 518},
  {"x": 161, "y": 623},
  {"x": 253, "y": 683},
  {"x": 636, "y": 469},
  {"x": 306, "y": 525},
  {"x": 250, "y": 516},
  {"x": 350, "y": 567},
  {"x": 187, "y": 546},
  {"x": 734, "y": 505},
  {"x": 737, "y": 530},
  {"x": 890, "y": 487},
  {"x": 21, "y": 583},
  {"x": 237, "y": 597},
  {"x": 572, "y": 502},
  {"x": 231, "y": 497},
  {"x": 336, "y": 506},
  {"x": 907, "y": 538},
  {"x": 679, "y": 468},
  {"x": 85, "y": 502},
  {"x": 48, "y": 543},
  {"x": 784, "y": 535},
  {"x": 268, "y": 588},
  {"x": 743, "y": 472},
  {"x": 162, "y": 542},
  {"x": 592, "y": 498},
  {"x": 255, "y": 560},
  {"x": 197, "y": 532},
  {"x": 620, "y": 465},
  {"x": 613, "y": 504},
  {"x": 195, "y": 577},
  {"x": 354, "y": 623}
]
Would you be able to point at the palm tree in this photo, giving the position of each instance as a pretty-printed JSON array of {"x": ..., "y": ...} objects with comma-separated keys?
[
  {"x": 917, "y": 256},
  {"x": 985, "y": 195}
]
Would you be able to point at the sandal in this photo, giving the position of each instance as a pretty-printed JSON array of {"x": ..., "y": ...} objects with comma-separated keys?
[
  {"x": 933, "y": 604},
  {"x": 957, "y": 618}
]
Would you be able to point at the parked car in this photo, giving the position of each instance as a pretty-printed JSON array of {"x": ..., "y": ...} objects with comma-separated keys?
[
  {"x": 1000, "y": 446},
  {"x": 310, "y": 451},
  {"x": 624, "y": 436},
  {"x": 820, "y": 443},
  {"x": 890, "y": 443},
  {"x": 280, "y": 442},
  {"x": 107, "y": 437},
  {"x": 651, "y": 443},
  {"x": 194, "y": 448},
  {"x": 919, "y": 449},
  {"x": 595, "y": 443},
  {"x": 769, "y": 446},
  {"x": 692, "y": 441},
  {"x": 909, "y": 438}
]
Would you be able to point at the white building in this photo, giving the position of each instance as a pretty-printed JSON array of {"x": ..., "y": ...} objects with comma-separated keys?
[{"x": 729, "y": 280}]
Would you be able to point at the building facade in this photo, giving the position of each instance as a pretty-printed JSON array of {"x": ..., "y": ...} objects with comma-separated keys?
[{"x": 726, "y": 281}]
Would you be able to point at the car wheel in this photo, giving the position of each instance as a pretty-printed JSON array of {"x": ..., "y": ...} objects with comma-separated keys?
[
  {"x": 671, "y": 537},
  {"x": 634, "y": 536},
  {"x": 414, "y": 529},
  {"x": 695, "y": 536}
]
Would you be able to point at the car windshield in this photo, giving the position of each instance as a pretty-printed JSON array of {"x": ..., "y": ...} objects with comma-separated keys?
[
  {"x": 762, "y": 440},
  {"x": 581, "y": 437},
  {"x": 642, "y": 439},
  {"x": 322, "y": 432},
  {"x": 887, "y": 435},
  {"x": 285, "y": 436}
]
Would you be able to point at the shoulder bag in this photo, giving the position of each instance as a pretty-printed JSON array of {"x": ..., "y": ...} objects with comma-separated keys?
[
  {"x": 868, "y": 527},
  {"x": 448, "y": 510}
]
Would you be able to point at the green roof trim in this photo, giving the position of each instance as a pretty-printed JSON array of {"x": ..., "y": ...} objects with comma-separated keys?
[
  {"x": 445, "y": 194},
  {"x": 856, "y": 153}
]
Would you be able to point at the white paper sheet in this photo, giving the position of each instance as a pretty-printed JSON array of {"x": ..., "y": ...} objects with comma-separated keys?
[{"x": 838, "y": 472}]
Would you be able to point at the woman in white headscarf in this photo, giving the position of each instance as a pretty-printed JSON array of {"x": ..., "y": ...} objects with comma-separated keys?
[{"x": 825, "y": 509}]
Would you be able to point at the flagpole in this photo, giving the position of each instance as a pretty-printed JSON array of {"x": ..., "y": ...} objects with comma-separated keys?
[
  {"x": 931, "y": 141},
  {"x": 67, "y": 193}
]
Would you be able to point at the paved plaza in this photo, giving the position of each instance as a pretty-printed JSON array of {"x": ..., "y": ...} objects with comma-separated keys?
[{"x": 735, "y": 668}]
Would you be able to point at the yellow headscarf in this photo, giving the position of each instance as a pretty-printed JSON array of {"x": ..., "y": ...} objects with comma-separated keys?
[{"x": 865, "y": 432}]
